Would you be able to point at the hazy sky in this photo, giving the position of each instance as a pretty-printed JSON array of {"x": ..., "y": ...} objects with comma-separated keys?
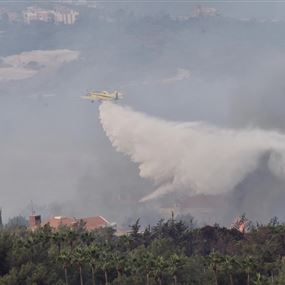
[
  {"x": 237, "y": 9},
  {"x": 225, "y": 70}
]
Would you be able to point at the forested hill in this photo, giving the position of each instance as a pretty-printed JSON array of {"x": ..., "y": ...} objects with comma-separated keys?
[{"x": 168, "y": 253}]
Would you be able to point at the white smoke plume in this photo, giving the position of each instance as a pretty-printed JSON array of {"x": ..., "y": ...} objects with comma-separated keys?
[{"x": 194, "y": 157}]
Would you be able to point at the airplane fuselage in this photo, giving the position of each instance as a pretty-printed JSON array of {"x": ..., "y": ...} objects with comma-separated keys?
[{"x": 102, "y": 96}]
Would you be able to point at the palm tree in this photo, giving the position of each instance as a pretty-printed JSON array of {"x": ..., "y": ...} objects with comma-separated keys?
[
  {"x": 134, "y": 263},
  {"x": 57, "y": 238},
  {"x": 174, "y": 263},
  {"x": 135, "y": 236},
  {"x": 147, "y": 262},
  {"x": 248, "y": 265},
  {"x": 65, "y": 258},
  {"x": 70, "y": 236},
  {"x": 230, "y": 264},
  {"x": 79, "y": 256},
  {"x": 141, "y": 261},
  {"x": 87, "y": 237},
  {"x": 215, "y": 260},
  {"x": 92, "y": 258},
  {"x": 120, "y": 263},
  {"x": 158, "y": 268},
  {"x": 106, "y": 262}
]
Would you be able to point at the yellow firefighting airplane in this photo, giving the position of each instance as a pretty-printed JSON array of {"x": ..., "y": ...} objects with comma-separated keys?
[{"x": 102, "y": 96}]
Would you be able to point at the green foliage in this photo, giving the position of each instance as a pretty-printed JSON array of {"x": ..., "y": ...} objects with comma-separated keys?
[{"x": 168, "y": 253}]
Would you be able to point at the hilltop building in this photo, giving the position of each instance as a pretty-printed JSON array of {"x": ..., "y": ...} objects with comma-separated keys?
[
  {"x": 65, "y": 15},
  {"x": 35, "y": 14},
  {"x": 204, "y": 11},
  {"x": 60, "y": 14}
]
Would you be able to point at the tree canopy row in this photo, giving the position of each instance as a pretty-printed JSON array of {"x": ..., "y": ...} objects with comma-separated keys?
[{"x": 171, "y": 252}]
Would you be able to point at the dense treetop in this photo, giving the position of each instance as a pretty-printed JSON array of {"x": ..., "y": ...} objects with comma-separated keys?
[{"x": 170, "y": 252}]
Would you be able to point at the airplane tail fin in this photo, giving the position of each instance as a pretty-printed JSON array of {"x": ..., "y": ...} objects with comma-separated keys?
[{"x": 118, "y": 95}]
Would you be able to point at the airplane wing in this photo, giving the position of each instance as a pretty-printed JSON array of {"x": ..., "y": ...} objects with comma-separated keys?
[
  {"x": 96, "y": 97},
  {"x": 96, "y": 94},
  {"x": 104, "y": 95}
]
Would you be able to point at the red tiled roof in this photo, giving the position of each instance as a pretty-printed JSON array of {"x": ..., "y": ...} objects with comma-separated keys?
[
  {"x": 95, "y": 222},
  {"x": 91, "y": 223}
]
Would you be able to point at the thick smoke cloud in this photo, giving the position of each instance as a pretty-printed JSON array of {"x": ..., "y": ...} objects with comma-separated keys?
[{"x": 193, "y": 157}]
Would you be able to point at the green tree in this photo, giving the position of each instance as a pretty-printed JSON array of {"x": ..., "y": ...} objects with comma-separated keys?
[
  {"x": 230, "y": 265},
  {"x": 159, "y": 266},
  {"x": 93, "y": 254},
  {"x": 105, "y": 262},
  {"x": 65, "y": 258},
  {"x": 175, "y": 263},
  {"x": 79, "y": 257},
  {"x": 215, "y": 260},
  {"x": 248, "y": 266}
]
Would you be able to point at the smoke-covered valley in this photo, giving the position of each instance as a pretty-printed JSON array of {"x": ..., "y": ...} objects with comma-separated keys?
[{"x": 226, "y": 72}]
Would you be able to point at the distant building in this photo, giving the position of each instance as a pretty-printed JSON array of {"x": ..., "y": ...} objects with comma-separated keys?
[
  {"x": 57, "y": 221},
  {"x": 36, "y": 14},
  {"x": 34, "y": 222},
  {"x": 204, "y": 11},
  {"x": 91, "y": 223},
  {"x": 58, "y": 15},
  {"x": 65, "y": 15}
]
